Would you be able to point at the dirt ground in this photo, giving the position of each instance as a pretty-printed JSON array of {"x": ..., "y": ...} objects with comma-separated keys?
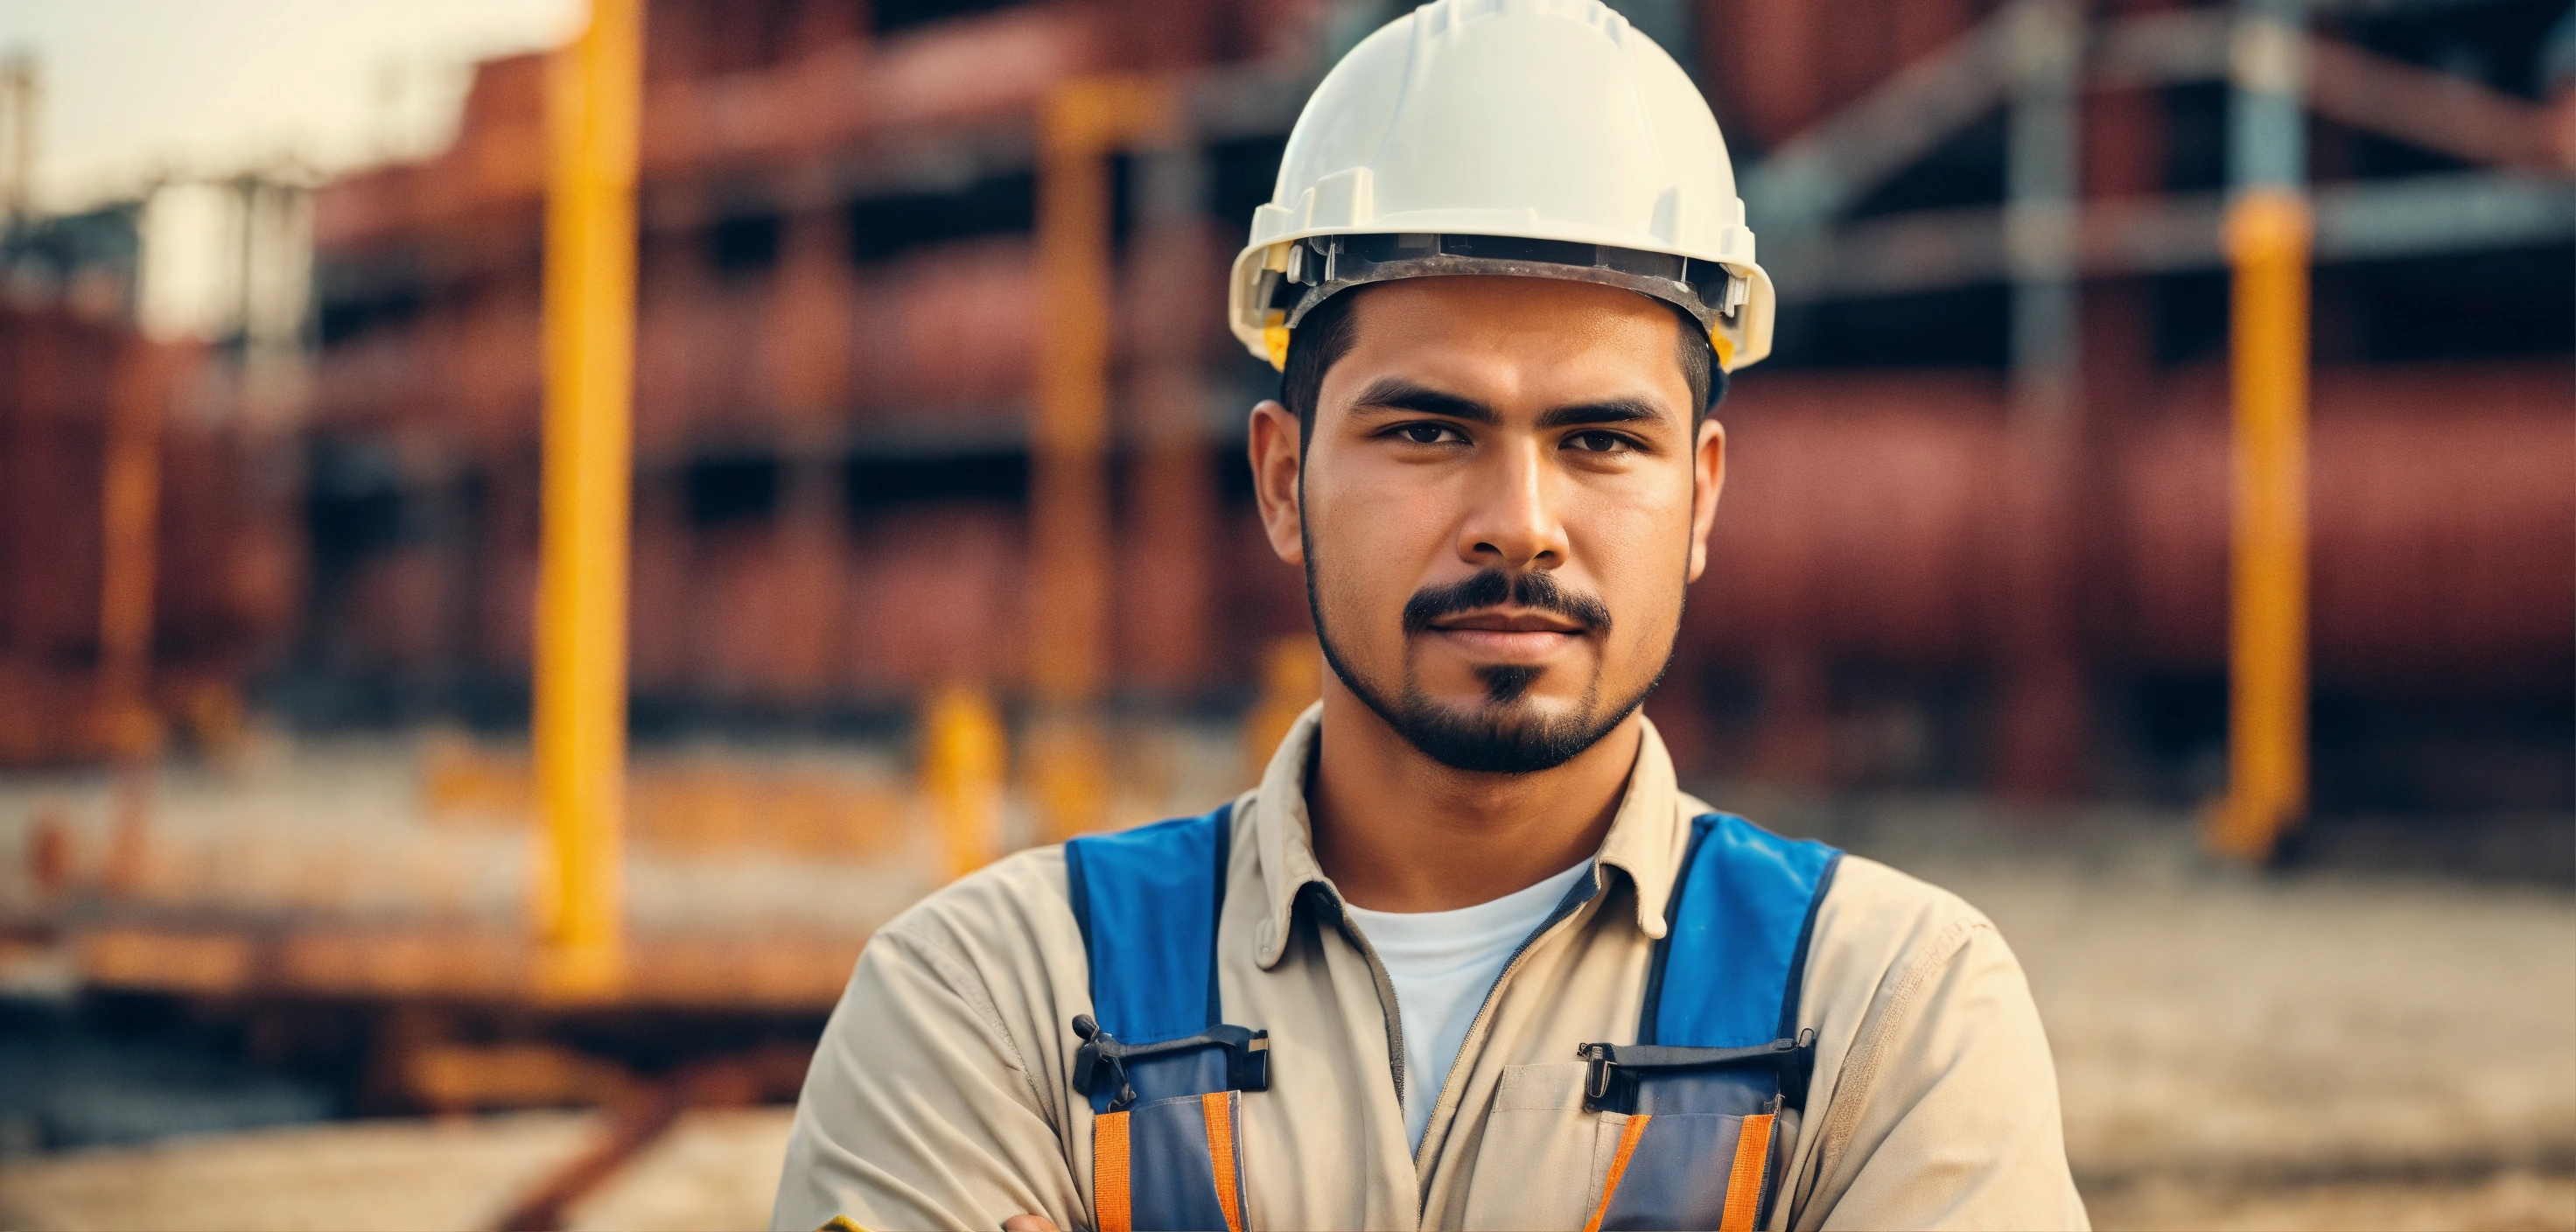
[
  {"x": 2315, "y": 1051},
  {"x": 715, "y": 1170}
]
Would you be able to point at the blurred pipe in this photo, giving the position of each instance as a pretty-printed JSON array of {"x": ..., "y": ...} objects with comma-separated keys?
[
  {"x": 1069, "y": 532},
  {"x": 2040, "y": 744},
  {"x": 22, "y": 93},
  {"x": 1171, "y": 490},
  {"x": 2040, "y": 205},
  {"x": 130, "y": 515},
  {"x": 1825, "y": 170},
  {"x": 595, "y": 95},
  {"x": 2269, "y": 231},
  {"x": 2437, "y": 111}
]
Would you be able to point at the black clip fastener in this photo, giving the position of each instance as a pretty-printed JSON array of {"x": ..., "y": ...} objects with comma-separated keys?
[
  {"x": 1101, "y": 1057},
  {"x": 1611, "y": 1081}
]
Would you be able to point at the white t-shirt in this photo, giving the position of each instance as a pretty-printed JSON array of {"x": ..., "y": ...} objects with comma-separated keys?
[{"x": 1443, "y": 963}]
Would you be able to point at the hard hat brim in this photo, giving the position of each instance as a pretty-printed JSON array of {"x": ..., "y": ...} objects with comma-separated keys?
[{"x": 1273, "y": 286}]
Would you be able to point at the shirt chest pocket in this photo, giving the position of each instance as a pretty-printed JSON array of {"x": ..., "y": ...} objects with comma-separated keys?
[{"x": 1542, "y": 1158}]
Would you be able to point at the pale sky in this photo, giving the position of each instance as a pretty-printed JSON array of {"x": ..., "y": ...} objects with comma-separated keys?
[{"x": 209, "y": 87}]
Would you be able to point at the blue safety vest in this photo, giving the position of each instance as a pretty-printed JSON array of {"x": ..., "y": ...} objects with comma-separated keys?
[{"x": 1718, "y": 1052}]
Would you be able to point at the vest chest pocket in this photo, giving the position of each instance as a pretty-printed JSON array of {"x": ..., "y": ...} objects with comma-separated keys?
[
  {"x": 1720, "y": 1059},
  {"x": 1682, "y": 1159},
  {"x": 1172, "y": 1163},
  {"x": 1684, "y": 1170},
  {"x": 1701, "y": 1133}
]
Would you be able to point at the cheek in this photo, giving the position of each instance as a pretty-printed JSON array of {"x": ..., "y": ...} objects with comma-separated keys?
[
  {"x": 1387, "y": 509},
  {"x": 1639, "y": 556},
  {"x": 1373, "y": 544}
]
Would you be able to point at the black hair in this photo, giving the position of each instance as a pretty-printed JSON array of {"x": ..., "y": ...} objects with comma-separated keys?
[{"x": 1326, "y": 335}]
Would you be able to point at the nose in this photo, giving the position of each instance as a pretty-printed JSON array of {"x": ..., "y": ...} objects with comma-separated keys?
[{"x": 1512, "y": 521}]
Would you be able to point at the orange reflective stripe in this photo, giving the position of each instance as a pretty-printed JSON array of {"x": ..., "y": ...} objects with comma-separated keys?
[
  {"x": 1744, "y": 1185},
  {"x": 1218, "y": 1107},
  {"x": 1109, "y": 1173},
  {"x": 1618, "y": 1166}
]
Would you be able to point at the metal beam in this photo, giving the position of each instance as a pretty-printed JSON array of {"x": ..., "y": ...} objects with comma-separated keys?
[
  {"x": 2040, "y": 191},
  {"x": 2157, "y": 49},
  {"x": 2437, "y": 111},
  {"x": 2039, "y": 739},
  {"x": 1070, "y": 543},
  {"x": 2367, "y": 220},
  {"x": 1826, "y": 170}
]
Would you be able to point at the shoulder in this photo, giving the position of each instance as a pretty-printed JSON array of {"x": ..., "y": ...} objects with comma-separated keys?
[
  {"x": 1011, "y": 914},
  {"x": 1017, "y": 911},
  {"x": 1902, "y": 973},
  {"x": 1933, "y": 1070},
  {"x": 1876, "y": 911},
  {"x": 1890, "y": 946},
  {"x": 1873, "y": 917}
]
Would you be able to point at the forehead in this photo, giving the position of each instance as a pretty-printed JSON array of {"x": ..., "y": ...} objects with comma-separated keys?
[{"x": 1507, "y": 341}]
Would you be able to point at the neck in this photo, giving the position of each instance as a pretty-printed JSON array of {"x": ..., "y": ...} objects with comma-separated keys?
[{"x": 1397, "y": 831}]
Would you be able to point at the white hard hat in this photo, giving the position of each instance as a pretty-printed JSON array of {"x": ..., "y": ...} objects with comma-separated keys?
[{"x": 1537, "y": 138}]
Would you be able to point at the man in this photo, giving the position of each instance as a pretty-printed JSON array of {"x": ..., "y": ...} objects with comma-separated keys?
[{"x": 1467, "y": 957}]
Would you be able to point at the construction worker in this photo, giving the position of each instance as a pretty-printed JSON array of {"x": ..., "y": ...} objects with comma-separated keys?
[{"x": 1467, "y": 957}]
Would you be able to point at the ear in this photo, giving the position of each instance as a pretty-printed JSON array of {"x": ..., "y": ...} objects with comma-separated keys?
[
  {"x": 1708, "y": 476},
  {"x": 1276, "y": 454}
]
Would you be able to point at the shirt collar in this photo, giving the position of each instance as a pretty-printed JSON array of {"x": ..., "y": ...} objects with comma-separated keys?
[{"x": 1646, "y": 836}]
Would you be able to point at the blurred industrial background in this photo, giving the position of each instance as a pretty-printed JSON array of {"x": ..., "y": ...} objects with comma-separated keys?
[{"x": 927, "y": 354}]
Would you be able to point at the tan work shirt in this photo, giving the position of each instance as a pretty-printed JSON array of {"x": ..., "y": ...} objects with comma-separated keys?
[{"x": 941, "y": 1095}]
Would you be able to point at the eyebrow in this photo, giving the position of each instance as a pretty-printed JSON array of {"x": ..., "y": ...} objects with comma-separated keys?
[
  {"x": 1614, "y": 410},
  {"x": 1398, "y": 394}
]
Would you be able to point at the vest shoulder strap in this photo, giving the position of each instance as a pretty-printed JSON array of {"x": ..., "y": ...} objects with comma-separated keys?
[
  {"x": 1728, "y": 971},
  {"x": 1162, "y": 1071},
  {"x": 1147, "y": 901}
]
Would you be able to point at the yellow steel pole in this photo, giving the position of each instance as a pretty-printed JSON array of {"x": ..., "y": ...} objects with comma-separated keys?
[
  {"x": 2268, "y": 239},
  {"x": 962, "y": 758},
  {"x": 594, "y": 105},
  {"x": 1069, "y": 532}
]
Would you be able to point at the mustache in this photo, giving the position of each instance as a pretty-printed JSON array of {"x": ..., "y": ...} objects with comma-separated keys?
[{"x": 1493, "y": 588}]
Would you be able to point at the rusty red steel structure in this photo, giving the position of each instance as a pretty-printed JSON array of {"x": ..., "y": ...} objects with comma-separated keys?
[
  {"x": 101, "y": 428},
  {"x": 1888, "y": 549},
  {"x": 790, "y": 349}
]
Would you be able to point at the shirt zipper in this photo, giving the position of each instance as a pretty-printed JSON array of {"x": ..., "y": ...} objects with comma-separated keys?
[
  {"x": 1585, "y": 891},
  {"x": 1385, "y": 992}
]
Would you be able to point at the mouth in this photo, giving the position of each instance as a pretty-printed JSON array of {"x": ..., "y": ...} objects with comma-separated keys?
[{"x": 1508, "y": 634}]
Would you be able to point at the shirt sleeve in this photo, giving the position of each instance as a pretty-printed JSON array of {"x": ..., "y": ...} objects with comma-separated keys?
[
  {"x": 1955, "y": 1123},
  {"x": 918, "y": 1111}
]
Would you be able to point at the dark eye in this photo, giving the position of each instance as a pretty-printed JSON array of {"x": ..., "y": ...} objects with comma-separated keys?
[
  {"x": 1597, "y": 442},
  {"x": 1425, "y": 433}
]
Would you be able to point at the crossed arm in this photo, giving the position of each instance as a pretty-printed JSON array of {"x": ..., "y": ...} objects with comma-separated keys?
[{"x": 920, "y": 1110}]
